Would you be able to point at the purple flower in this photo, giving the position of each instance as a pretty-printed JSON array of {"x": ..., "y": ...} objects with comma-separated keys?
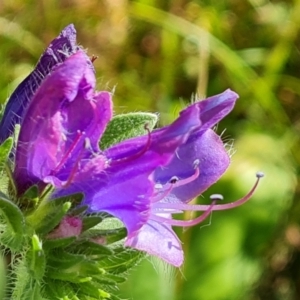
[
  {"x": 59, "y": 49},
  {"x": 63, "y": 116},
  {"x": 142, "y": 181}
]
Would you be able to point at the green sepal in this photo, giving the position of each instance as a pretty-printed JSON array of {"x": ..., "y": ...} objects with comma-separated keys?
[
  {"x": 90, "y": 248},
  {"x": 90, "y": 221},
  {"x": 108, "y": 236},
  {"x": 30, "y": 198},
  {"x": 126, "y": 126},
  {"x": 79, "y": 272},
  {"x": 94, "y": 290},
  {"x": 59, "y": 242},
  {"x": 13, "y": 236},
  {"x": 63, "y": 259},
  {"x": 56, "y": 289},
  {"x": 122, "y": 260},
  {"x": 71, "y": 277},
  {"x": 5, "y": 149},
  {"x": 36, "y": 259},
  {"x": 78, "y": 210},
  {"x": 83, "y": 271},
  {"x": 50, "y": 212},
  {"x": 109, "y": 279},
  {"x": 32, "y": 292},
  {"x": 48, "y": 215},
  {"x": 25, "y": 286}
]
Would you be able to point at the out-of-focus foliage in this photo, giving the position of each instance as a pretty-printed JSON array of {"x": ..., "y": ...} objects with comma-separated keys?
[
  {"x": 156, "y": 55},
  {"x": 2, "y": 278}
]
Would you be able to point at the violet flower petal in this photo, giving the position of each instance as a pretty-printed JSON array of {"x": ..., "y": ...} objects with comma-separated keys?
[
  {"x": 59, "y": 49},
  {"x": 213, "y": 158},
  {"x": 205, "y": 148},
  {"x": 159, "y": 240},
  {"x": 124, "y": 189},
  {"x": 208, "y": 112},
  {"x": 63, "y": 112}
]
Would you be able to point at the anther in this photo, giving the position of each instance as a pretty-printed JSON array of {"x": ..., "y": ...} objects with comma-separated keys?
[
  {"x": 260, "y": 175},
  {"x": 243, "y": 200},
  {"x": 214, "y": 198},
  {"x": 172, "y": 183},
  {"x": 174, "y": 179},
  {"x": 196, "y": 163},
  {"x": 217, "y": 197}
]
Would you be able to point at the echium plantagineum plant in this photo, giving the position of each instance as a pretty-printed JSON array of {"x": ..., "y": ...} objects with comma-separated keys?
[{"x": 70, "y": 172}]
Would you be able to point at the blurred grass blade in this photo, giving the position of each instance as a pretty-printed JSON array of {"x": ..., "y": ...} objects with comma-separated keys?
[
  {"x": 238, "y": 68},
  {"x": 24, "y": 38}
]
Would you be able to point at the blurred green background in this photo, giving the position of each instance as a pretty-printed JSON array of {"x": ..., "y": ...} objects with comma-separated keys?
[{"x": 157, "y": 55}]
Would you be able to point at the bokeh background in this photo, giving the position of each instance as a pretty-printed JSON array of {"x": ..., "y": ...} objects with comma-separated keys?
[{"x": 157, "y": 56}]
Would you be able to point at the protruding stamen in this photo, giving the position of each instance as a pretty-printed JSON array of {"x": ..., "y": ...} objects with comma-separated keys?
[
  {"x": 173, "y": 182},
  {"x": 199, "y": 207},
  {"x": 136, "y": 155},
  {"x": 161, "y": 195},
  {"x": 189, "y": 179},
  {"x": 74, "y": 170},
  {"x": 68, "y": 153},
  {"x": 241, "y": 201},
  {"x": 186, "y": 223}
]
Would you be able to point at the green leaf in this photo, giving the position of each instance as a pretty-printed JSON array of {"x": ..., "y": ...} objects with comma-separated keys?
[
  {"x": 122, "y": 260},
  {"x": 32, "y": 192},
  {"x": 55, "y": 289},
  {"x": 25, "y": 286},
  {"x": 63, "y": 259},
  {"x": 13, "y": 236},
  {"x": 127, "y": 126},
  {"x": 72, "y": 277},
  {"x": 108, "y": 236},
  {"x": 30, "y": 198},
  {"x": 93, "y": 290},
  {"x": 109, "y": 279},
  {"x": 78, "y": 210},
  {"x": 32, "y": 292},
  {"x": 59, "y": 242},
  {"x": 90, "y": 248},
  {"x": 36, "y": 259}
]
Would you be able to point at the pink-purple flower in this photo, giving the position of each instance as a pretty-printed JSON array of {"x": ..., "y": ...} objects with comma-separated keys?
[
  {"x": 56, "y": 53},
  {"x": 142, "y": 181}
]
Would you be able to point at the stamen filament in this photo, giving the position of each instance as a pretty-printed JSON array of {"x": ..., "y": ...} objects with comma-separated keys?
[
  {"x": 199, "y": 207},
  {"x": 74, "y": 171},
  {"x": 187, "y": 180},
  {"x": 174, "y": 182},
  {"x": 162, "y": 195},
  {"x": 67, "y": 154},
  {"x": 186, "y": 223},
  {"x": 136, "y": 155}
]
